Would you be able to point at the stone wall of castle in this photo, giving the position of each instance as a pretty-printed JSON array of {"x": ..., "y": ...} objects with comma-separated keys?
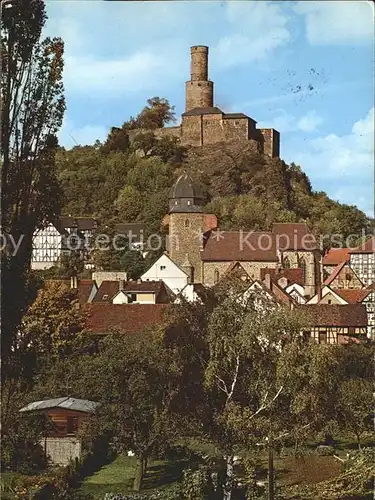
[
  {"x": 236, "y": 129},
  {"x": 270, "y": 140}
]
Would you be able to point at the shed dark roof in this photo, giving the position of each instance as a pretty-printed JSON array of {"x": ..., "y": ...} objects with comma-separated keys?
[
  {"x": 66, "y": 403},
  {"x": 349, "y": 315},
  {"x": 125, "y": 318},
  {"x": 202, "y": 111}
]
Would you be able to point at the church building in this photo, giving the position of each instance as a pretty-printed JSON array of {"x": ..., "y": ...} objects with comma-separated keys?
[{"x": 207, "y": 254}]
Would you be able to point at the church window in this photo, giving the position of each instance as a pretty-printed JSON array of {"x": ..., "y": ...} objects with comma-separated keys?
[
  {"x": 286, "y": 263},
  {"x": 187, "y": 223},
  {"x": 189, "y": 203},
  {"x": 216, "y": 276}
]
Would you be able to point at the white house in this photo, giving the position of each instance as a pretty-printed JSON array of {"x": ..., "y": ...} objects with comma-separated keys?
[
  {"x": 60, "y": 238},
  {"x": 164, "y": 269}
]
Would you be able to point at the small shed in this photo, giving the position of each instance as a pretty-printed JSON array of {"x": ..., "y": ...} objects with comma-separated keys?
[{"x": 67, "y": 415}]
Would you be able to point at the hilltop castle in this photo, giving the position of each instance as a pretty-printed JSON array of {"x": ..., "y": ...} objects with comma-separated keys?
[{"x": 203, "y": 123}]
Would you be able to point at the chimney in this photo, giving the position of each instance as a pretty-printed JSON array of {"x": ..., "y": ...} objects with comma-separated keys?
[
  {"x": 319, "y": 293},
  {"x": 121, "y": 285},
  {"x": 139, "y": 280},
  {"x": 267, "y": 281}
]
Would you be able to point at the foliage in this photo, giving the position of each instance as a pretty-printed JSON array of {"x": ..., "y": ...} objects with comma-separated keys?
[
  {"x": 355, "y": 482},
  {"x": 20, "y": 448},
  {"x": 134, "y": 412},
  {"x": 32, "y": 110},
  {"x": 156, "y": 114},
  {"x": 356, "y": 403},
  {"x": 53, "y": 321}
]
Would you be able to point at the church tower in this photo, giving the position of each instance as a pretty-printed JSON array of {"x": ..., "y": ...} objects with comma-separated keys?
[
  {"x": 186, "y": 225},
  {"x": 199, "y": 90}
]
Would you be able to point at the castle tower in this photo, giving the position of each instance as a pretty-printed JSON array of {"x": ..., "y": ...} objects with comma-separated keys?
[
  {"x": 186, "y": 226},
  {"x": 199, "y": 90}
]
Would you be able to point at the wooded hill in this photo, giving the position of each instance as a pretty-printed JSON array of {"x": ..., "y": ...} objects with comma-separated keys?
[{"x": 128, "y": 181}]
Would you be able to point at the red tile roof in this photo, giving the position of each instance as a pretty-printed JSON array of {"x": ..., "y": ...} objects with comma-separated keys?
[
  {"x": 293, "y": 275},
  {"x": 124, "y": 318},
  {"x": 294, "y": 236},
  {"x": 240, "y": 246},
  {"x": 209, "y": 222},
  {"x": 335, "y": 256},
  {"x": 84, "y": 290},
  {"x": 367, "y": 247},
  {"x": 354, "y": 295},
  {"x": 348, "y": 315},
  {"x": 143, "y": 286},
  {"x": 106, "y": 291},
  {"x": 334, "y": 273}
]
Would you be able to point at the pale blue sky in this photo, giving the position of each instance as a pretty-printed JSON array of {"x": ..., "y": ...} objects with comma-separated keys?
[{"x": 304, "y": 68}]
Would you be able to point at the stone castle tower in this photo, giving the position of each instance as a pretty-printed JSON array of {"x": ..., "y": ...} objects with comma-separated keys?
[
  {"x": 186, "y": 226},
  {"x": 203, "y": 123},
  {"x": 199, "y": 90}
]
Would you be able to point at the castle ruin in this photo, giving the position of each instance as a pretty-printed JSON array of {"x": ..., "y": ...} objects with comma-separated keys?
[{"x": 203, "y": 123}]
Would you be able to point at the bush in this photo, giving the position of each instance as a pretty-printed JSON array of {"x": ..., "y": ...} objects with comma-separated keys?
[{"x": 324, "y": 451}]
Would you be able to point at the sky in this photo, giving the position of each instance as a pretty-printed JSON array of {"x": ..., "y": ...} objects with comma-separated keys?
[{"x": 304, "y": 68}]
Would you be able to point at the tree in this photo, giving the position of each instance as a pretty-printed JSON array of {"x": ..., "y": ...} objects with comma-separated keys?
[
  {"x": 134, "y": 411},
  {"x": 32, "y": 111},
  {"x": 129, "y": 203},
  {"x": 157, "y": 114},
  {"x": 117, "y": 140},
  {"x": 51, "y": 325},
  {"x": 356, "y": 402}
]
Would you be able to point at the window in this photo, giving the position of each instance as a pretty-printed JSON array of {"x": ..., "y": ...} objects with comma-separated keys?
[
  {"x": 329, "y": 301},
  {"x": 187, "y": 223},
  {"x": 162, "y": 268},
  {"x": 71, "y": 425},
  {"x": 286, "y": 263},
  {"x": 105, "y": 297},
  {"x": 323, "y": 337},
  {"x": 216, "y": 276},
  {"x": 189, "y": 203}
]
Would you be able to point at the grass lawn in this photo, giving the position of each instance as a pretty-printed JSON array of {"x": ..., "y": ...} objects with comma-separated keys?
[
  {"x": 7, "y": 480},
  {"x": 117, "y": 477}
]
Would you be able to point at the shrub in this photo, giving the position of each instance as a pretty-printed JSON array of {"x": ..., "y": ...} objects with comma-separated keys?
[{"x": 325, "y": 451}]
